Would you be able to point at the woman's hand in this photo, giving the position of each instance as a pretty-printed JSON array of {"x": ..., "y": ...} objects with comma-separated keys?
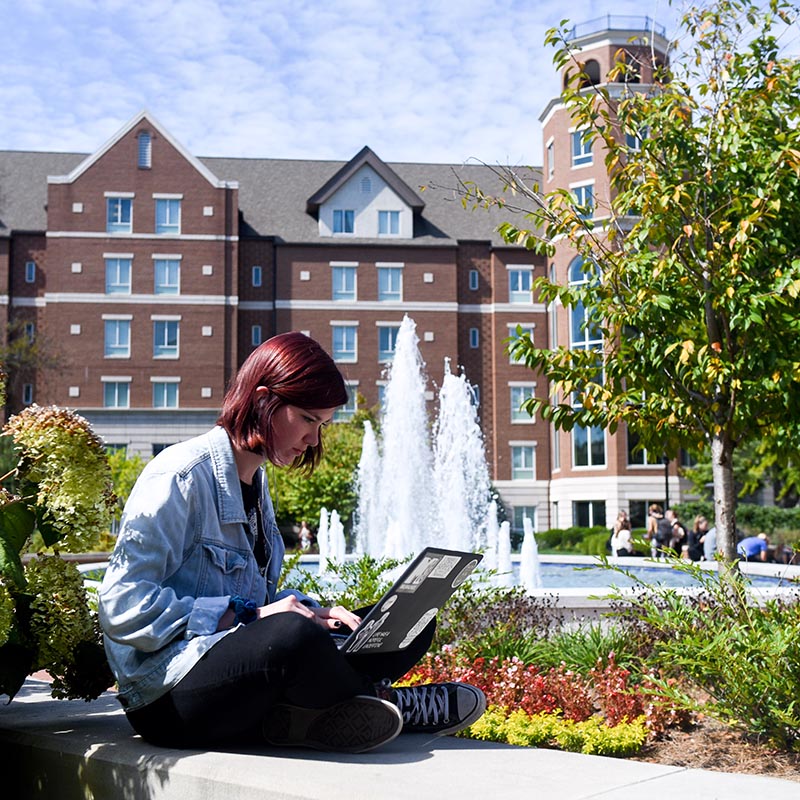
[{"x": 329, "y": 618}]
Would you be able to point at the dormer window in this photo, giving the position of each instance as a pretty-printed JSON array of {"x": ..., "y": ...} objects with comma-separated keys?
[
  {"x": 343, "y": 220},
  {"x": 388, "y": 223},
  {"x": 145, "y": 150}
]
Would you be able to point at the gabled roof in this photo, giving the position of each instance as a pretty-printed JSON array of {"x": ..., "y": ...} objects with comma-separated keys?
[
  {"x": 365, "y": 157},
  {"x": 152, "y": 122}
]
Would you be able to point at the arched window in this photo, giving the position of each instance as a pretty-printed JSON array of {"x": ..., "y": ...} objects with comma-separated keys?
[{"x": 590, "y": 73}]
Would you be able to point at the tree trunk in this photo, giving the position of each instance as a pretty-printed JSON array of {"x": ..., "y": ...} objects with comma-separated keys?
[{"x": 724, "y": 495}]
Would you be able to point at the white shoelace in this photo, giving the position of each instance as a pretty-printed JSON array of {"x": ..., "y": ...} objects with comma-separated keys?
[{"x": 424, "y": 705}]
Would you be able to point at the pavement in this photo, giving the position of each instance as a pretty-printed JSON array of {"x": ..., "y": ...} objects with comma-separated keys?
[{"x": 69, "y": 749}]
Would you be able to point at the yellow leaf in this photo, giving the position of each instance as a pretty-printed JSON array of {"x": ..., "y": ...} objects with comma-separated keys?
[{"x": 729, "y": 291}]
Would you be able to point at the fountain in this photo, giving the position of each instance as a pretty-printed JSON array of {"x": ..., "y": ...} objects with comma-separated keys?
[{"x": 412, "y": 494}]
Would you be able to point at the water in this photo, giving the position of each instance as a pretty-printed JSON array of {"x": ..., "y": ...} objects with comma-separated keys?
[{"x": 422, "y": 484}]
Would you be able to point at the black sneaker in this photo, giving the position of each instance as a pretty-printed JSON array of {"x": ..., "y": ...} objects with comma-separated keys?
[
  {"x": 352, "y": 726},
  {"x": 439, "y": 708}
]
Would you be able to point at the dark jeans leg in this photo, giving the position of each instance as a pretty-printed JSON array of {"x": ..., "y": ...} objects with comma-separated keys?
[{"x": 284, "y": 658}]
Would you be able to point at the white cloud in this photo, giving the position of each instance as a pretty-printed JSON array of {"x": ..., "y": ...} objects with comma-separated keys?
[{"x": 416, "y": 81}]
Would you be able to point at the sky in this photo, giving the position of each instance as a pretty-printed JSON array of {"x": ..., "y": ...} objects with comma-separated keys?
[{"x": 432, "y": 81}]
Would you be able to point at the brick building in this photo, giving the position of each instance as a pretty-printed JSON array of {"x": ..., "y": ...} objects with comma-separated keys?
[{"x": 147, "y": 274}]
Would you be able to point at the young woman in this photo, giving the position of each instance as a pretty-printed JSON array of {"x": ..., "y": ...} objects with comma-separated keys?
[{"x": 206, "y": 652}]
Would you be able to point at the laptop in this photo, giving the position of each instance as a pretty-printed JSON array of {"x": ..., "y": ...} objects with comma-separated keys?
[{"x": 412, "y": 602}]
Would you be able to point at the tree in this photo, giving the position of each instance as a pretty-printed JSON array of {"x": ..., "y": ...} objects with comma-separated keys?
[
  {"x": 299, "y": 496},
  {"x": 693, "y": 264}
]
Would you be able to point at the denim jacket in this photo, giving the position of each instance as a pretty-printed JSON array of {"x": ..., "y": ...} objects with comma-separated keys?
[{"x": 183, "y": 551}]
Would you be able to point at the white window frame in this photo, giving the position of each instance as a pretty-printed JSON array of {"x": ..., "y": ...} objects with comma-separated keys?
[
  {"x": 162, "y": 329},
  {"x": 116, "y": 382},
  {"x": 389, "y": 223},
  {"x": 346, "y": 412},
  {"x": 583, "y": 193},
  {"x": 170, "y": 205},
  {"x": 114, "y": 264},
  {"x": 518, "y": 276},
  {"x": 526, "y": 327},
  {"x": 524, "y": 452},
  {"x": 144, "y": 150},
  {"x": 390, "y": 283},
  {"x": 166, "y": 385},
  {"x": 343, "y": 273},
  {"x": 119, "y": 205},
  {"x": 343, "y": 219},
  {"x": 581, "y": 149},
  {"x": 116, "y": 345},
  {"x": 550, "y": 158},
  {"x": 518, "y": 394},
  {"x": 344, "y": 342},
  {"x": 166, "y": 283},
  {"x": 387, "y": 340}
]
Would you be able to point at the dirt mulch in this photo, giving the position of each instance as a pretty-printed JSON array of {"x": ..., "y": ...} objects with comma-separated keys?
[{"x": 711, "y": 745}]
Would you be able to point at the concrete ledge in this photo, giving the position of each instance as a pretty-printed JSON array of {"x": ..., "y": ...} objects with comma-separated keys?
[{"x": 71, "y": 749}]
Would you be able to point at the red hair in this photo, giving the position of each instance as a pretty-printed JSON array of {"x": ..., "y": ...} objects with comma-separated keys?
[{"x": 297, "y": 372}]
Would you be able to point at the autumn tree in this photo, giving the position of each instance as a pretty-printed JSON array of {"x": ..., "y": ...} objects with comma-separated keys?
[{"x": 693, "y": 261}]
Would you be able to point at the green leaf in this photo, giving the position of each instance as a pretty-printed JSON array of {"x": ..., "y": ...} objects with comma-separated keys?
[{"x": 17, "y": 521}]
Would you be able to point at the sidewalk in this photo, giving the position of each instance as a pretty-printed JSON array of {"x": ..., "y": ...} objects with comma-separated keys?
[{"x": 71, "y": 749}]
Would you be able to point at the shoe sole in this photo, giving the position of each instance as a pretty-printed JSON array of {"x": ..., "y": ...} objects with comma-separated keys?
[{"x": 352, "y": 726}]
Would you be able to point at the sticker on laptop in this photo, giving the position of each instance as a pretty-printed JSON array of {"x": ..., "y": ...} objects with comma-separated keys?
[{"x": 419, "y": 625}]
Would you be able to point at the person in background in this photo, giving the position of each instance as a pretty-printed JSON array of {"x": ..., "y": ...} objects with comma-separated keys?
[
  {"x": 621, "y": 541},
  {"x": 678, "y": 536},
  {"x": 754, "y": 548},
  {"x": 696, "y": 538},
  {"x": 205, "y": 649},
  {"x": 305, "y": 537}
]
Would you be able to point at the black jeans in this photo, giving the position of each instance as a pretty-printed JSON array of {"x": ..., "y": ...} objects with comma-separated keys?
[{"x": 283, "y": 658}]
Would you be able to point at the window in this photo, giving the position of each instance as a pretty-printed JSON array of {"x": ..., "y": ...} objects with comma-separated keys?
[
  {"x": 167, "y": 276},
  {"x": 345, "y": 341},
  {"x": 519, "y": 285},
  {"x": 119, "y": 214},
  {"x": 551, "y": 159},
  {"x": 165, "y": 394},
  {"x": 30, "y": 331},
  {"x": 581, "y": 148},
  {"x": 474, "y": 338},
  {"x": 343, "y": 282},
  {"x": 256, "y": 276},
  {"x": 348, "y": 410},
  {"x": 168, "y": 216},
  {"x": 640, "y": 456},
  {"x": 343, "y": 220},
  {"x": 117, "y": 338},
  {"x": 255, "y": 335},
  {"x": 145, "y": 150},
  {"x": 518, "y": 521},
  {"x": 584, "y": 199},
  {"x": 30, "y": 272},
  {"x": 388, "y": 223},
  {"x": 589, "y": 513},
  {"x": 118, "y": 275},
  {"x": 390, "y": 284},
  {"x": 116, "y": 394},
  {"x": 519, "y": 394},
  {"x": 517, "y": 332},
  {"x": 366, "y": 185},
  {"x": 27, "y": 393},
  {"x": 523, "y": 467},
  {"x": 387, "y": 341},
  {"x": 165, "y": 338},
  {"x": 473, "y": 279},
  {"x": 588, "y": 443}
]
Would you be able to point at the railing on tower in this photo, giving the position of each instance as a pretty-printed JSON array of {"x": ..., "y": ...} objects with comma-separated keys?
[{"x": 616, "y": 22}]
